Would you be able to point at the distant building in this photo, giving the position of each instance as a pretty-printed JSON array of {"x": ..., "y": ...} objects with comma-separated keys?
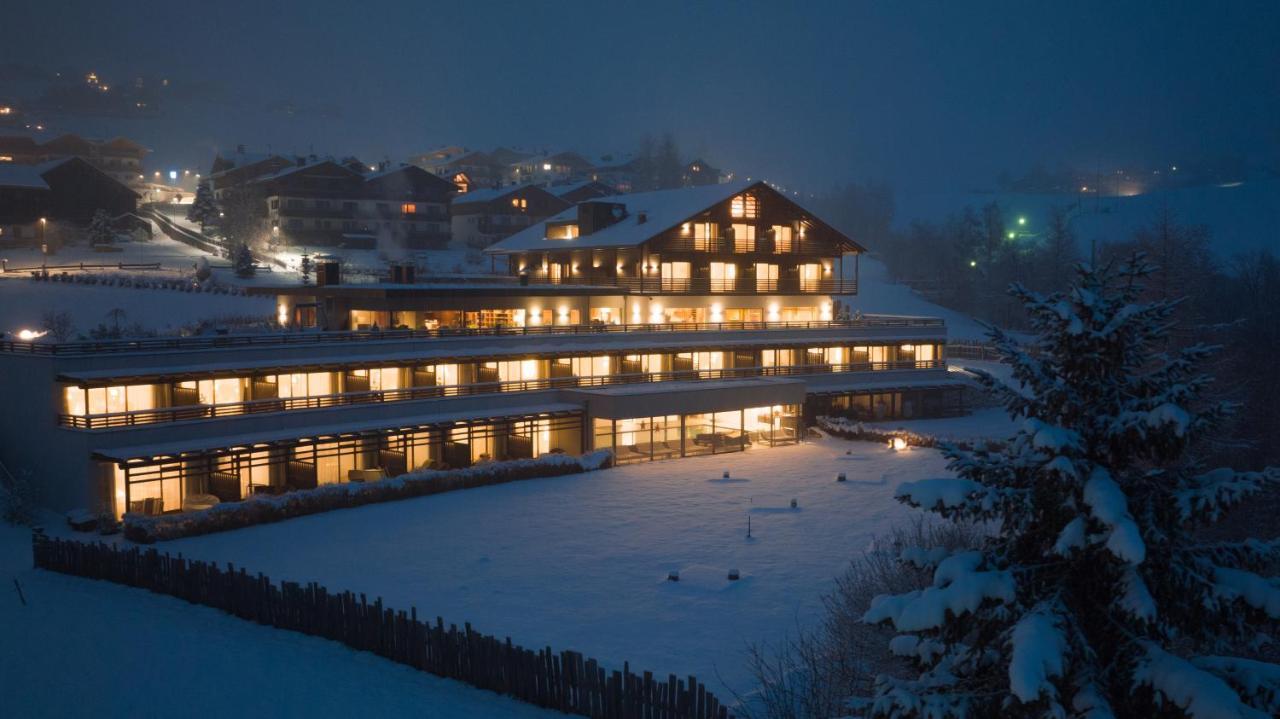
[
  {"x": 549, "y": 169},
  {"x": 65, "y": 192},
  {"x": 327, "y": 204},
  {"x": 120, "y": 158},
  {"x": 482, "y": 217},
  {"x": 700, "y": 172},
  {"x": 575, "y": 192},
  {"x": 239, "y": 168}
]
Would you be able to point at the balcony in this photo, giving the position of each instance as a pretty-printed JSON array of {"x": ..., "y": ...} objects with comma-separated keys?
[
  {"x": 704, "y": 285},
  {"x": 160, "y": 344},
  {"x": 116, "y": 420}
]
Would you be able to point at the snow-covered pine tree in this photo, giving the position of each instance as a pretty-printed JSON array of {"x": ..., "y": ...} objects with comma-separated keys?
[
  {"x": 242, "y": 260},
  {"x": 1093, "y": 596},
  {"x": 100, "y": 232},
  {"x": 304, "y": 268},
  {"x": 203, "y": 208}
]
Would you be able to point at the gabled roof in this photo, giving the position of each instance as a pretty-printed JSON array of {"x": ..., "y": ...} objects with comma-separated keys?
[
  {"x": 663, "y": 210},
  {"x": 285, "y": 172},
  {"x": 24, "y": 176},
  {"x": 497, "y": 193},
  {"x": 562, "y": 190}
]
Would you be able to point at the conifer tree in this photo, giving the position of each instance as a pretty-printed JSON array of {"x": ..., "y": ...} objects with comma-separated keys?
[
  {"x": 1094, "y": 595},
  {"x": 242, "y": 260},
  {"x": 203, "y": 208},
  {"x": 100, "y": 232}
]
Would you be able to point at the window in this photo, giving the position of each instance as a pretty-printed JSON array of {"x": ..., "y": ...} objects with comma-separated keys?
[
  {"x": 275, "y": 203},
  {"x": 705, "y": 235},
  {"x": 746, "y": 206},
  {"x": 724, "y": 276},
  {"x": 810, "y": 277},
  {"x": 744, "y": 238},
  {"x": 409, "y": 208},
  {"x": 766, "y": 277},
  {"x": 520, "y": 203},
  {"x": 562, "y": 232},
  {"x": 782, "y": 239},
  {"x": 675, "y": 276}
]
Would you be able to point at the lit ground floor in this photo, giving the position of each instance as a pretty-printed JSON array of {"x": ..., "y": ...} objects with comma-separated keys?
[{"x": 638, "y": 423}]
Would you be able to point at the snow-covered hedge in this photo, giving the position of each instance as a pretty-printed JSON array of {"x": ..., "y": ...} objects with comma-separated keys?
[
  {"x": 273, "y": 508},
  {"x": 850, "y": 429},
  {"x": 185, "y": 283}
]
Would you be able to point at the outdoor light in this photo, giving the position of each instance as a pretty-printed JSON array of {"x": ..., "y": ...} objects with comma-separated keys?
[
  {"x": 1012, "y": 234},
  {"x": 898, "y": 444},
  {"x": 173, "y": 174},
  {"x": 546, "y": 167},
  {"x": 282, "y": 315},
  {"x": 973, "y": 263},
  {"x": 28, "y": 335},
  {"x": 1022, "y": 220}
]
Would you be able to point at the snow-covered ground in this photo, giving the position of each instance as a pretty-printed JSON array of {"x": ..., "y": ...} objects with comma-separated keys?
[
  {"x": 23, "y": 303},
  {"x": 1240, "y": 216},
  {"x": 171, "y": 254},
  {"x": 880, "y": 295},
  {"x": 581, "y": 562},
  {"x": 129, "y": 653}
]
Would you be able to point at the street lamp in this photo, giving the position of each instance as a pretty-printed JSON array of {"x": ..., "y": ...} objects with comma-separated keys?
[{"x": 44, "y": 247}]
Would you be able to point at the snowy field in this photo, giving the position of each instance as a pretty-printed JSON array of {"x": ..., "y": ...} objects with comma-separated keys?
[
  {"x": 987, "y": 423},
  {"x": 23, "y": 302},
  {"x": 137, "y": 654},
  {"x": 581, "y": 562}
]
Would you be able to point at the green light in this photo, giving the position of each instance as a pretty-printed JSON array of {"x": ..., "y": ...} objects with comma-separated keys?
[
  {"x": 1011, "y": 234},
  {"x": 1022, "y": 220},
  {"x": 973, "y": 263}
]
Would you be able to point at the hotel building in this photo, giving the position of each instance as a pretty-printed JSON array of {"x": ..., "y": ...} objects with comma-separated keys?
[{"x": 685, "y": 322}]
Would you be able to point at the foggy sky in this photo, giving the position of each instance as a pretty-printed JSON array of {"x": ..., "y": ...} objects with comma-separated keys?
[{"x": 919, "y": 94}]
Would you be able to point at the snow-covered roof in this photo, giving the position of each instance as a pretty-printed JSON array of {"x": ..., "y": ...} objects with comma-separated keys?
[
  {"x": 161, "y": 449},
  {"x": 662, "y": 209},
  {"x": 27, "y": 176},
  {"x": 562, "y": 190},
  {"x": 486, "y": 195}
]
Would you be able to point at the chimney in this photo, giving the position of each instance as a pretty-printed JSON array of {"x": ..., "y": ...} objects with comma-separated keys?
[
  {"x": 595, "y": 215},
  {"x": 328, "y": 272}
]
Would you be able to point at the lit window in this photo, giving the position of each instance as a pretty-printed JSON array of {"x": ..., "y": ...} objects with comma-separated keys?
[
  {"x": 515, "y": 202},
  {"x": 744, "y": 206},
  {"x": 409, "y": 208},
  {"x": 6, "y": 158}
]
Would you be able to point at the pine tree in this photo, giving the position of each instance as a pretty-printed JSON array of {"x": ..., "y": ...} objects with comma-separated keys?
[
  {"x": 1093, "y": 598},
  {"x": 242, "y": 260},
  {"x": 100, "y": 232},
  {"x": 304, "y": 269},
  {"x": 203, "y": 208}
]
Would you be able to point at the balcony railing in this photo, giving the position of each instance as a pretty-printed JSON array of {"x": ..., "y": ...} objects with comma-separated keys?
[
  {"x": 285, "y": 404},
  {"x": 703, "y": 285},
  {"x": 156, "y": 344}
]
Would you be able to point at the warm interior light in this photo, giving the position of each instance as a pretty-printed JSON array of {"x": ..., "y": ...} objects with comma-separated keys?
[{"x": 282, "y": 315}]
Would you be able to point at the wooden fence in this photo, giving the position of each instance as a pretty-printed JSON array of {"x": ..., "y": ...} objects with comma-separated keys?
[{"x": 565, "y": 681}]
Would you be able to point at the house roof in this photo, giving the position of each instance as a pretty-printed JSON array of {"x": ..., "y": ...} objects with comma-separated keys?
[
  {"x": 662, "y": 209},
  {"x": 490, "y": 194},
  {"x": 26, "y": 176}
]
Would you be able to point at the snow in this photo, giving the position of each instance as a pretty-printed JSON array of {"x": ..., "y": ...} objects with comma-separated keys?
[
  {"x": 1169, "y": 414},
  {"x": 958, "y": 588},
  {"x": 23, "y": 303},
  {"x": 580, "y": 562},
  {"x": 1197, "y": 692},
  {"x": 949, "y": 492},
  {"x": 1109, "y": 505},
  {"x": 879, "y": 294},
  {"x": 131, "y": 653},
  {"x": 1136, "y": 599},
  {"x": 1071, "y": 537},
  {"x": 1037, "y": 655},
  {"x": 1256, "y": 591},
  {"x": 988, "y": 423}
]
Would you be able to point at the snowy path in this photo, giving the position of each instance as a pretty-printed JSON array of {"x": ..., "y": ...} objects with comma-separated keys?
[
  {"x": 128, "y": 653},
  {"x": 581, "y": 562}
]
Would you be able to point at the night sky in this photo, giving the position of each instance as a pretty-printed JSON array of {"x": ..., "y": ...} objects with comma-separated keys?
[{"x": 918, "y": 94}]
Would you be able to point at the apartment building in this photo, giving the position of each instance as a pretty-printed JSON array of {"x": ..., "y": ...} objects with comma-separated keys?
[
  {"x": 641, "y": 342},
  {"x": 326, "y": 204}
]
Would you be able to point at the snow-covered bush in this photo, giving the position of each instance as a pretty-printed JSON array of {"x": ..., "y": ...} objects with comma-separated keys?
[
  {"x": 1095, "y": 599},
  {"x": 17, "y": 497},
  {"x": 813, "y": 673},
  {"x": 267, "y": 508}
]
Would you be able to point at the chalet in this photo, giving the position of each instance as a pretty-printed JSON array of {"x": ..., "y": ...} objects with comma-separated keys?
[
  {"x": 120, "y": 158},
  {"x": 575, "y": 192},
  {"x": 61, "y": 193}
]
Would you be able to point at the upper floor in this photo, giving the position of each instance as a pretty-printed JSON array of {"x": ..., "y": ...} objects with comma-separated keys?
[{"x": 742, "y": 238}]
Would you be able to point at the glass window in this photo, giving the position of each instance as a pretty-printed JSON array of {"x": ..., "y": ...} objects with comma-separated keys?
[
  {"x": 724, "y": 276},
  {"x": 746, "y": 206},
  {"x": 782, "y": 238},
  {"x": 744, "y": 238},
  {"x": 766, "y": 277}
]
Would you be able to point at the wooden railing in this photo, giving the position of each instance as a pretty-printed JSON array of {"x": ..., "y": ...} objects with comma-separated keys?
[
  {"x": 565, "y": 681},
  {"x": 158, "y": 344},
  {"x": 112, "y": 420},
  {"x": 702, "y": 285}
]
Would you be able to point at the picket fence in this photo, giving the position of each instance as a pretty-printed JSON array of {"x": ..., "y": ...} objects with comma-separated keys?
[{"x": 566, "y": 680}]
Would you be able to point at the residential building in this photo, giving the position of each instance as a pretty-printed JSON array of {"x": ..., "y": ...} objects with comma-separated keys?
[
  {"x": 482, "y": 217},
  {"x": 550, "y": 169},
  {"x": 120, "y": 158},
  {"x": 43, "y": 203},
  {"x": 575, "y": 192},
  {"x": 700, "y": 172},
  {"x": 325, "y": 204},
  {"x": 641, "y": 342},
  {"x": 236, "y": 169}
]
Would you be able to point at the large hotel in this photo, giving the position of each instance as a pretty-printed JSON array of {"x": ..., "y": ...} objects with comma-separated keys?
[{"x": 659, "y": 325}]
